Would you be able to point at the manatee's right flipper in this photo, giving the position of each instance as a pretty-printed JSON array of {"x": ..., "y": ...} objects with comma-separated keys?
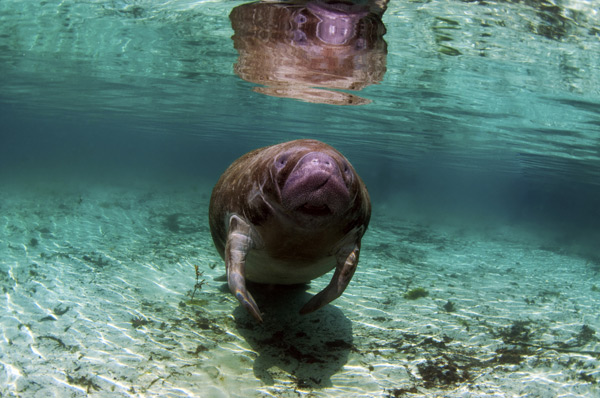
[{"x": 239, "y": 242}]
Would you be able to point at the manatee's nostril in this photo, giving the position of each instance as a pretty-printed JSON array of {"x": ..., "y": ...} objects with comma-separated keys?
[
  {"x": 300, "y": 19},
  {"x": 319, "y": 161}
]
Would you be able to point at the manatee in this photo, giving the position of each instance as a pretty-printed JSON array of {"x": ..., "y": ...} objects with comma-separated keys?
[{"x": 287, "y": 214}]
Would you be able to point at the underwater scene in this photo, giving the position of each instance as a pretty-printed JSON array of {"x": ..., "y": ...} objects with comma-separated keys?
[{"x": 474, "y": 125}]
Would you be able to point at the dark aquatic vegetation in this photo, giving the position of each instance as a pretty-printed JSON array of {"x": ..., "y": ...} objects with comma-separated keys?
[
  {"x": 442, "y": 372},
  {"x": 416, "y": 293},
  {"x": 137, "y": 322},
  {"x": 84, "y": 381},
  {"x": 449, "y": 306},
  {"x": 95, "y": 259},
  {"x": 517, "y": 332},
  {"x": 60, "y": 309},
  {"x": 585, "y": 335},
  {"x": 199, "y": 283}
]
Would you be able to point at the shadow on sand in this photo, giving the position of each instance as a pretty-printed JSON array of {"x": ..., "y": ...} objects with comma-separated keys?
[{"x": 310, "y": 348}]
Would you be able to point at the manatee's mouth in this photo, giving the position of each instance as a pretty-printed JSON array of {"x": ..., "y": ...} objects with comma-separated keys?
[{"x": 316, "y": 211}]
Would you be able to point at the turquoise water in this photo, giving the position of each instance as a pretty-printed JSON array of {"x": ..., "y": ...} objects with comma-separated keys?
[{"x": 475, "y": 126}]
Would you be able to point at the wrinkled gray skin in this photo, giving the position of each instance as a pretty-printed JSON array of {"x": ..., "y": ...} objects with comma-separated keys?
[{"x": 287, "y": 214}]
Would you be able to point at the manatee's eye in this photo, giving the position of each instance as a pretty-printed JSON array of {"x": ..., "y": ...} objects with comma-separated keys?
[
  {"x": 345, "y": 168},
  {"x": 281, "y": 161}
]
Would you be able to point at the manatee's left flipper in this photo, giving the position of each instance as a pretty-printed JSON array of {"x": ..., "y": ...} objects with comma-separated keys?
[
  {"x": 239, "y": 243},
  {"x": 343, "y": 273}
]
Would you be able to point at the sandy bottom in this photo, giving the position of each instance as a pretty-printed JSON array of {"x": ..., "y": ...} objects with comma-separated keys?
[{"x": 96, "y": 301}]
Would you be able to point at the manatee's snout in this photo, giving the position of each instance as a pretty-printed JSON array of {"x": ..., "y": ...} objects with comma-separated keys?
[
  {"x": 316, "y": 186},
  {"x": 337, "y": 21}
]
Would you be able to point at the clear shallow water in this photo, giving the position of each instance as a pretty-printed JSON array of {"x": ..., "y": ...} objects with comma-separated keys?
[{"x": 479, "y": 146}]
